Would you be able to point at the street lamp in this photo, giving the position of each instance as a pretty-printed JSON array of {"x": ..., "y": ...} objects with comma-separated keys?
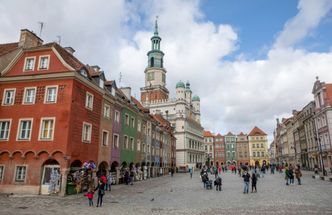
[{"x": 321, "y": 156}]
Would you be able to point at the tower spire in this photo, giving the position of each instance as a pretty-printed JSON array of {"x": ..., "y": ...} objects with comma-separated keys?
[{"x": 156, "y": 27}]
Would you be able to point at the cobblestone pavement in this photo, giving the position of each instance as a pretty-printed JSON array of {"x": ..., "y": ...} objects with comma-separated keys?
[{"x": 182, "y": 195}]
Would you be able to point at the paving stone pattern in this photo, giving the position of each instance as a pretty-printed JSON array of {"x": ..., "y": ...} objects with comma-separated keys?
[{"x": 182, "y": 195}]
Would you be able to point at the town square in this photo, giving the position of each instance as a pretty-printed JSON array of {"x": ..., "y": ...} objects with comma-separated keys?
[{"x": 165, "y": 107}]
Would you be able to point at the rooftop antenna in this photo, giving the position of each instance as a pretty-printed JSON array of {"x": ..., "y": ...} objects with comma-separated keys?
[
  {"x": 120, "y": 78},
  {"x": 59, "y": 39},
  {"x": 41, "y": 25}
]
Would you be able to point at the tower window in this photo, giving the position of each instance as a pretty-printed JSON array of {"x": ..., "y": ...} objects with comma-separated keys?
[{"x": 152, "y": 62}]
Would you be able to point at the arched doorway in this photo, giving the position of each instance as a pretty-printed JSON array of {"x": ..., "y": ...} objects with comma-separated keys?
[
  {"x": 102, "y": 169},
  {"x": 114, "y": 165},
  {"x": 51, "y": 177}
]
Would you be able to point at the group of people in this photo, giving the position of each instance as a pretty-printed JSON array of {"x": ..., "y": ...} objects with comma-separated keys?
[
  {"x": 246, "y": 179},
  {"x": 291, "y": 172},
  {"x": 207, "y": 183},
  {"x": 103, "y": 184}
]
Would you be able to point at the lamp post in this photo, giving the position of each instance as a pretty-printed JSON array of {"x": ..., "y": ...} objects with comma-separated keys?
[{"x": 321, "y": 156}]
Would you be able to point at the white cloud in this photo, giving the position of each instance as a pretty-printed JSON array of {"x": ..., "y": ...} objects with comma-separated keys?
[
  {"x": 235, "y": 95},
  {"x": 309, "y": 16}
]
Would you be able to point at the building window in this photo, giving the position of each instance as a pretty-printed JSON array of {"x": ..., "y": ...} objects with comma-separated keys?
[
  {"x": 29, "y": 63},
  {"x": 254, "y": 154},
  {"x": 47, "y": 129},
  {"x": 139, "y": 125},
  {"x": 43, "y": 62},
  {"x": 86, "y": 132},
  {"x": 115, "y": 141},
  {"x": 132, "y": 143},
  {"x": 24, "y": 132},
  {"x": 29, "y": 95},
  {"x": 133, "y": 122},
  {"x": 20, "y": 173},
  {"x": 4, "y": 129},
  {"x": 8, "y": 97},
  {"x": 107, "y": 111},
  {"x": 258, "y": 154},
  {"x": 116, "y": 116},
  {"x": 2, "y": 170},
  {"x": 51, "y": 94},
  {"x": 125, "y": 142},
  {"x": 138, "y": 145},
  {"x": 262, "y": 145},
  {"x": 89, "y": 101},
  {"x": 262, "y": 154},
  {"x": 105, "y": 138},
  {"x": 127, "y": 119},
  {"x": 101, "y": 83}
]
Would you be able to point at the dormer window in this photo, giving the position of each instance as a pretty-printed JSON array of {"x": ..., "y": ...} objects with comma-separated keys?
[
  {"x": 43, "y": 62},
  {"x": 84, "y": 73},
  {"x": 101, "y": 83},
  {"x": 29, "y": 63}
]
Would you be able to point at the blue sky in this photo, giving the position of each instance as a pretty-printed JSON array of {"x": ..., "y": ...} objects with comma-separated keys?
[
  {"x": 258, "y": 23},
  {"x": 242, "y": 57}
]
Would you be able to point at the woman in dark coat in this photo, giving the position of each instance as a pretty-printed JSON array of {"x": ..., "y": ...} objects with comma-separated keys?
[{"x": 101, "y": 192}]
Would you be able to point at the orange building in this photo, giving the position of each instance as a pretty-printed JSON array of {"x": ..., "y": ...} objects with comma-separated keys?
[
  {"x": 50, "y": 115},
  {"x": 242, "y": 149}
]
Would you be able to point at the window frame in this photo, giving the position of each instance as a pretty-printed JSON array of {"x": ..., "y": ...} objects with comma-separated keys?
[
  {"x": 4, "y": 96},
  {"x": 25, "y": 173},
  {"x": 116, "y": 143},
  {"x": 127, "y": 120},
  {"x": 46, "y": 94},
  {"x": 117, "y": 116},
  {"x": 48, "y": 62},
  {"x": 41, "y": 129},
  {"x": 132, "y": 121},
  {"x": 25, "y": 64},
  {"x": 125, "y": 142},
  {"x": 9, "y": 128},
  {"x": 19, "y": 129},
  {"x": 132, "y": 143},
  {"x": 108, "y": 115},
  {"x": 24, "y": 102},
  {"x": 89, "y": 136},
  {"x": 87, "y": 106},
  {"x": 102, "y": 137}
]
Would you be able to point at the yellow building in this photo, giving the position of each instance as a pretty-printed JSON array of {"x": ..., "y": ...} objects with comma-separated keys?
[{"x": 258, "y": 148}]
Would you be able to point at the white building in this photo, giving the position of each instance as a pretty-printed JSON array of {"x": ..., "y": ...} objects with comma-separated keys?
[{"x": 183, "y": 111}]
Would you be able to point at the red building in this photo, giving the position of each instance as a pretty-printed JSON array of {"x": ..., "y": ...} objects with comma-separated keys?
[
  {"x": 219, "y": 150},
  {"x": 51, "y": 109}
]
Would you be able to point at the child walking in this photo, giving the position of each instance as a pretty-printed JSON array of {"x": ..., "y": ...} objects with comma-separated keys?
[
  {"x": 89, "y": 194},
  {"x": 253, "y": 182}
]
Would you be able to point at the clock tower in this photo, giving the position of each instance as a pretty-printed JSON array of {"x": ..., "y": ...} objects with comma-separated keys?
[{"x": 155, "y": 73}]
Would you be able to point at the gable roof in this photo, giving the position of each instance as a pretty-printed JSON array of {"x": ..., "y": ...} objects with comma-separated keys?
[
  {"x": 139, "y": 105},
  {"x": 229, "y": 134},
  {"x": 241, "y": 134},
  {"x": 219, "y": 135},
  {"x": 8, "y": 47},
  {"x": 207, "y": 134},
  {"x": 68, "y": 57},
  {"x": 257, "y": 132}
]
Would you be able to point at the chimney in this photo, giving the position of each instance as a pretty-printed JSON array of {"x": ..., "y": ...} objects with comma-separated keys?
[
  {"x": 278, "y": 122},
  {"x": 127, "y": 92},
  {"x": 29, "y": 39},
  {"x": 69, "y": 49}
]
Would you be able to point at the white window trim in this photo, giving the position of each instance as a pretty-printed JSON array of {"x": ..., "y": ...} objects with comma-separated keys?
[
  {"x": 116, "y": 144},
  {"x": 86, "y": 141},
  {"x": 25, "y": 94},
  {"x": 18, "y": 129},
  {"x": 41, "y": 126},
  {"x": 25, "y": 177},
  {"x": 109, "y": 111},
  {"x": 117, "y": 116},
  {"x": 25, "y": 62},
  {"x": 107, "y": 138},
  {"x": 48, "y": 62},
  {"x": 4, "y": 96},
  {"x": 3, "y": 172},
  {"x": 138, "y": 145},
  {"x": 56, "y": 94},
  {"x": 86, "y": 101},
  {"x": 132, "y": 119},
  {"x": 10, "y": 124},
  {"x": 132, "y": 144}
]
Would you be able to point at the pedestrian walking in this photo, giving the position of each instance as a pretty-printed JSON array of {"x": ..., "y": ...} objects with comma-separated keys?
[
  {"x": 298, "y": 174},
  {"x": 253, "y": 182},
  {"x": 101, "y": 192},
  {"x": 109, "y": 181},
  {"x": 218, "y": 183},
  {"x": 172, "y": 171},
  {"x": 287, "y": 177},
  {"x": 191, "y": 172},
  {"x": 246, "y": 180},
  {"x": 90, "y": 194}
]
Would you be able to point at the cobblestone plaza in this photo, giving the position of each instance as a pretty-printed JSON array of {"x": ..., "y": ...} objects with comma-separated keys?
[{"x": 182, "y": 195}]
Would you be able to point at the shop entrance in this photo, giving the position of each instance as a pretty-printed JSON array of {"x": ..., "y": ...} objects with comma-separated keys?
[{"x": 51, "y": 178}]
